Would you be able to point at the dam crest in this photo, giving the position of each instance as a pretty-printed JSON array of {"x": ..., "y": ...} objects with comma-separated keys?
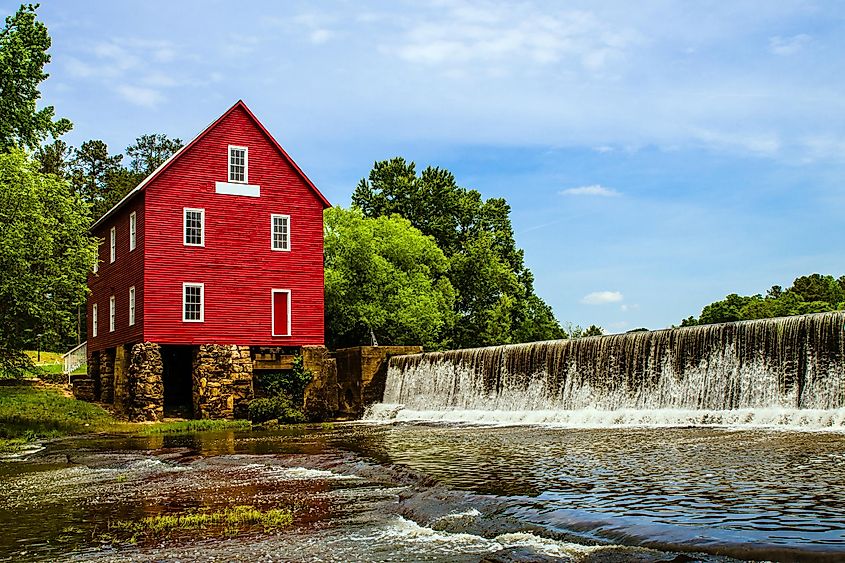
[{"x": 782, "y": 372}]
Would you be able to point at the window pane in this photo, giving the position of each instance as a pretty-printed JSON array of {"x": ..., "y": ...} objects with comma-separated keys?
[
  {"x": 280, "y": 233},
  {"x": 193, "y": 303},
  {"x": 193, "y": 227},
  {"x": 237, "y": 165}
]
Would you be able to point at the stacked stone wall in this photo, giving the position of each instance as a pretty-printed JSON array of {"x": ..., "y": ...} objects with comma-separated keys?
[
  {"x": 222, "y": 381},
  {"x": 83, "y": 387},
  {"x": 106, "y": 363},
  {"x": 144, "y": 381},
  {"x": 94, "y": 373},
  {"x": 122, "y": 400}
]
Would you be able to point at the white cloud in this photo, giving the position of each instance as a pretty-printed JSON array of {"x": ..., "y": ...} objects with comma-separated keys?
[
  {"x": 140, "y": 96},
  {"x": 477, "y": 36},
  {"x": 319, "y": 36},
  {"x": 136, "y": 69},
  {"x": 602, "y": 298},
  {"x": 594, "y": 190},
  {"x": 625, "y": 307},
  {"x": 784, "y": 46}
]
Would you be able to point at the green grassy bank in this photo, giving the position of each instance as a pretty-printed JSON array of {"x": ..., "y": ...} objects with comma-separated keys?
[{"x": 31, "y": 411}]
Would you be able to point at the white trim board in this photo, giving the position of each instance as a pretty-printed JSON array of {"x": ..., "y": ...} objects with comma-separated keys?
[{"x": 232, "y": 188}]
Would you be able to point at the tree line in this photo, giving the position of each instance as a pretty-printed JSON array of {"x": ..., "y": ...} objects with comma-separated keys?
[{"x": 814, "y": 293}]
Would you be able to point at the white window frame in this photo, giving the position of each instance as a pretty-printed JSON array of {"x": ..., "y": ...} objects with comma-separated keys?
[
  {"x": 229, "y": 164},
  {"x": 111, "y": 313},
  {"x": 202, "y": 302},
  {"x": 97, "y": 259},
  {"x": 133, "y": 231},
  {"x": 273, "y": 293},
  {"x": 273, "y": 232},
  {"x": 132, "y": 306},
  {"x": 185, "y": 211},
  {"x": 94, "y": 321},
  {"x": 112, "y": 244}
]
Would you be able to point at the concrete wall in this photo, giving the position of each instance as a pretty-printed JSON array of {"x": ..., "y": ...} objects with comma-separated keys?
[{"x": 362, "y": 373}]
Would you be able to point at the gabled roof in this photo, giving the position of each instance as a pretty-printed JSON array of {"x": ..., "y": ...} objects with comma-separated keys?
[{"x": 167, "y": 163}]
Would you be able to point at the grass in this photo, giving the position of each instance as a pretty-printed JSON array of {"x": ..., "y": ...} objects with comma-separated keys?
[
  {"x": 228, "y": 521},
  {"x": 33, "y": 412},
  {"x": 193, "y": 426},
  {"x": 46, "y": 357}
]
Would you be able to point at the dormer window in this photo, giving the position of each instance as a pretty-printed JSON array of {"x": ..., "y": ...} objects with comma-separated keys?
[{"x": 238, "y": 164}]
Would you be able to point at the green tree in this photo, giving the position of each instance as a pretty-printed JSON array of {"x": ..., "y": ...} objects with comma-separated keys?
[
  {"x": 815, "y": 293},
  {"x": 727, "y": 310},
  {"x": 496, "y": 301},
  {"x": 45, "y": 254},
  {"x": 150, "y": 151},
  {"x": 384, "y": 280},
  {"x": 817, "y": 287},
  {"x": 593, "y": 330},
  {"x": 92, "y": 170},
  {"x": 55, "y": 158},
  {"x": 24, "y": 42}
]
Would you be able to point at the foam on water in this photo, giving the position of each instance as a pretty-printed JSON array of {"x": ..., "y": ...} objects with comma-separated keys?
[
  {"x": 768, "y": 418},
  {"x": 404, "y": 531}
]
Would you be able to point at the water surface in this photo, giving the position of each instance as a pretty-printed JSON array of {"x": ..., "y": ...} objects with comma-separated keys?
[{"x": 414, "y": 492}]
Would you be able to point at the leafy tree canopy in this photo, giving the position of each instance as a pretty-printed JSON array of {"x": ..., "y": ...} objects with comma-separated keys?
[
  {"x": 45, "y": 254},
  {"x": 384, "y": 279},
  {"x": 495, "y": 301},
  {"x": 815, "y": 293},
  {"x": 24, "y": 42}
]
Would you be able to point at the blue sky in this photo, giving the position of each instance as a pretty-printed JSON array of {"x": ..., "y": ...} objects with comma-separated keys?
[{"x": 655, "y": 158}]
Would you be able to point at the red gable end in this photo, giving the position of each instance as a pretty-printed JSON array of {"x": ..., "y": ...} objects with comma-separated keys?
[{"x": 248, "y": 271}]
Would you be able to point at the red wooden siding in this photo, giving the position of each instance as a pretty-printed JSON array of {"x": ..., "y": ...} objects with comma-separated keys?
[
  {"x": 237, "y": 265},
  {"x": 116, "y": 279}
]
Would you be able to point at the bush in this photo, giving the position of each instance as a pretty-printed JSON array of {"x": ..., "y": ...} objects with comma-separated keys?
[
  {"x": 278, "y": 407},
  {"x": 291, "y": 383}
]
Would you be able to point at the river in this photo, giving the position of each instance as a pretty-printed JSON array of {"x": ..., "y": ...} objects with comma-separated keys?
[{"x": 403, "y": 491}]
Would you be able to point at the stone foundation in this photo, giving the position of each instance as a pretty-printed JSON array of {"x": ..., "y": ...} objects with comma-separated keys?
[
  {"x": 94, "y": 373},
  {"x": 106, "y": 375},
  {"x": 144, "y": 381},
  {"x": 122, "y": 400},
  {"x": 222, "y": 381}
]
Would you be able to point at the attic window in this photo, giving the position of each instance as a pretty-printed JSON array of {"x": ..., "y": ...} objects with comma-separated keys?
[{"x": 238, "y": 164}]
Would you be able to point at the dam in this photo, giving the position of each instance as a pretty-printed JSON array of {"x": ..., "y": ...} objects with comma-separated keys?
[{"x": 785, "y": 372}]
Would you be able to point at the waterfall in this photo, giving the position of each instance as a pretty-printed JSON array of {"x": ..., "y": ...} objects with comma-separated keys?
[{"x": 783, "y": 371}]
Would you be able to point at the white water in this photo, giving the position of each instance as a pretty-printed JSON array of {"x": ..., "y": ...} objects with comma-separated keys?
[
  {"x": 786, "y": 419},
  {"x": 783, "y": 373}
]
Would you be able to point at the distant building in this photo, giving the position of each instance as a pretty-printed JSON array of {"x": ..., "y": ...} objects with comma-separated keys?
[{"x": 211, "y": 265}]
